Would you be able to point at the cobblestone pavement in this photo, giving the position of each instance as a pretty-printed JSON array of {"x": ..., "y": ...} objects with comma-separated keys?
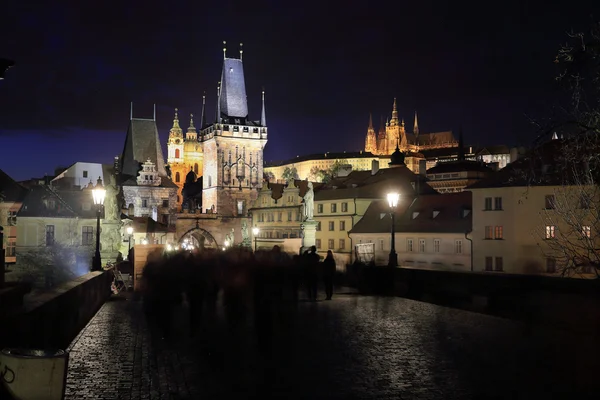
[{"x": 353, "y": 347}]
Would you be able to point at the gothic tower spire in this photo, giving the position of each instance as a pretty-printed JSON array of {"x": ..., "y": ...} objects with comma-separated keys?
[
  {"x": 416, "y": 126},
  {"x": 371, "y": 140},
  {"x": 263, "y": 115},
  {"x": 218, "y": 116},
  {"x": 394, "y": 120},
  {"x": 203, "y": 116}
]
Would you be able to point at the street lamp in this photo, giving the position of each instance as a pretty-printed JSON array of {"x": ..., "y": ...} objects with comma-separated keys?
[
  {"x": 130, "y": 233},
  {"x": 98, "y": 194},
  {"x": 392, "y": 199},
  {"x": 255, "y": 232}
]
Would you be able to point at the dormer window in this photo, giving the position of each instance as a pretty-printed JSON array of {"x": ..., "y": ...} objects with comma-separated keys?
[
  {"x": 415, "y": 214},
  {"x": 465, "y": 213},
  {"x": 435, "y": 213},
  {"x": 50, "y": 204}
]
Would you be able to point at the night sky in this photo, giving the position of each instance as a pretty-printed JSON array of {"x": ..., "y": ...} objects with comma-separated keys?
[{"x": 324, "y": 66}]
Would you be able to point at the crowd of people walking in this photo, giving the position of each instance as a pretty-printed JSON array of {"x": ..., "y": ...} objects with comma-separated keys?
[{"x": 258, "y": 289}]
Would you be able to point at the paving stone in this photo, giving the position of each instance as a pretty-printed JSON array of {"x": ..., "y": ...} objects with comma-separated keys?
[{"x": 353, "y": 347}]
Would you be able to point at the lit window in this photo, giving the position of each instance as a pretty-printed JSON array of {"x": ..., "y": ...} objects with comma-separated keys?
[
  {"x": 498, "y": 232},
  {"x": 550, "y": 231}
]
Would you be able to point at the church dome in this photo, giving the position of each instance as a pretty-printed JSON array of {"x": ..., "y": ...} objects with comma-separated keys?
[{"x": 397, "y": 158}]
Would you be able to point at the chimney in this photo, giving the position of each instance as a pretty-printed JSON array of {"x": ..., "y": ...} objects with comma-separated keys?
[{"x": 374, "y": 167}]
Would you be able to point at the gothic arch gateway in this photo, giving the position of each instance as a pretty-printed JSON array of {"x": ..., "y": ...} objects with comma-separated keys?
[{"x": 200, "y": 237}]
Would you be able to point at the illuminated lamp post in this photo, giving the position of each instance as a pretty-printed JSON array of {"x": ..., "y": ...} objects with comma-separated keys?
[
  {"x": 98, "y": 194},
  {"x": 255, "y": 232},
  {"x": 392, "y": 199}
]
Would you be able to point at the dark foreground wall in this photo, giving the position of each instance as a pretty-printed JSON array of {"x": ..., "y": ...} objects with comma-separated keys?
[
  {"x": 53, "y": 318},
  {"x": 561, "y": 302}
]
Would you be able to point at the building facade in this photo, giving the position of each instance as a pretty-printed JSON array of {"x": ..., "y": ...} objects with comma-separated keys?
[
  {"x": 146, "y": 189},
  {"x": 430, "y": 232},
  {"x": 537, "y": 216},
  {"x": 79, "y": 175},
  {"x": 11, "y": 200}
]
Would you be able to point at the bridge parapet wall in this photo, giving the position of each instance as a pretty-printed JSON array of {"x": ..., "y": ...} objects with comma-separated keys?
[{"x": 53, "y": 318}]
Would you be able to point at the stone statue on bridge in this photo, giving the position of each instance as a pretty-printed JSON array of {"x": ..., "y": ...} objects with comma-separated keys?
[{"x": 309, "y": 203}]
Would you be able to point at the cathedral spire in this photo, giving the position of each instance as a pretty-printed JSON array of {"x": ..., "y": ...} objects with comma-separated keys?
[
  {"x": 416, "y": 126},
  {"x": 241, "y": 50},
  {"x": 203, "y": 116},
  {"x": 371, "y": 121},
  {"x": 263, "y": 115},
  {"x": 224, "y": 49},
  {"x": 394, "y": 112}
]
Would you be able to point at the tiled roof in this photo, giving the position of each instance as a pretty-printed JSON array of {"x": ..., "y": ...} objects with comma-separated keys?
[
  {"x": 148, "y": 225},
  {"x": 459, "y": 166},
  {"x": 11, "y": 191},
  {"x": 302, "y": 185},
  {"x": 435, "y": 138},
  {"x": 547, "y": 164},
  {"x": 416, "y": 214},
  {"x": 323, "y": 156},
  {"x": 67, "y": 203},
  {"x": 142, "y": 144},
  {"x": 363, "y": 184},
  {"x": 233, "y": 89}
]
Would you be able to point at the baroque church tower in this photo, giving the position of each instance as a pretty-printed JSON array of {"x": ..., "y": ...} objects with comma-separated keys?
[
  {"x": 184, "y": 153},
  {"x": 175, "y": 156}
]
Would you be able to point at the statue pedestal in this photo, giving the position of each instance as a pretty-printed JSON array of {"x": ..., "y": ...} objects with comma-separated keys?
[{"x": 309, "y": 234}]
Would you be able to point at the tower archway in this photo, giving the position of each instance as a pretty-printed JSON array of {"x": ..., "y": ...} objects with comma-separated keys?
[{"x": 199, "y": 238}]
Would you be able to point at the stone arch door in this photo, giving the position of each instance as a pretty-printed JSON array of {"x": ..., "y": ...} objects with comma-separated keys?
[{"x": 200, "y": 238}]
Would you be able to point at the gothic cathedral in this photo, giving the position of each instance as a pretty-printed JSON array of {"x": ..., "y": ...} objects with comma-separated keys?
[{"x": 393, "y": 134}]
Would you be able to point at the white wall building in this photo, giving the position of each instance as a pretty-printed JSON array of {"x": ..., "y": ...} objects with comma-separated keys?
[{"x": 80, "y": 174}]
